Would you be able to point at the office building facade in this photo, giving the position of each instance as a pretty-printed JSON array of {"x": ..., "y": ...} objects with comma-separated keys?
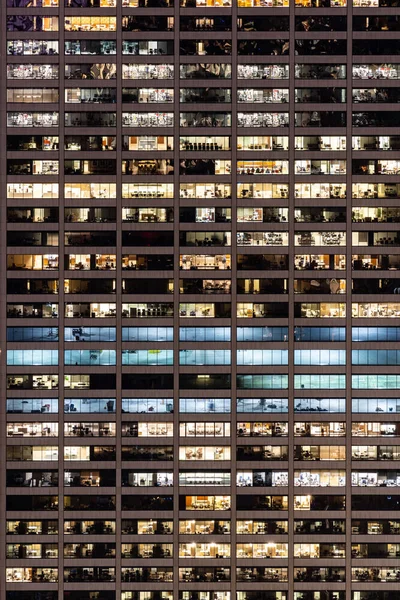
[{"x": 199, "y": 300}]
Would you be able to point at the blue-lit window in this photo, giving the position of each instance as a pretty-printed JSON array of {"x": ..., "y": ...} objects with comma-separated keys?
[
  {"x": 218, "y": 478},
  {"x": 262, "y": 405},
  {"x": 320, "y": 382},
  {"x": 262, "y": 382},
  {"x": 147, "y": 405},
  {"x": 32, "y": 334},
  {"x": 90, "y": 405},
  {"x": 320, "y": 405},
  {"x": 376, "y": 382},
  {"x": 147, "y": 357},
  {"x": 375, "y": 357},
  {"x": 262, "y": 334},
  {"x": 30, "y": 406},
  {"x": 320, "y": 334},
  {"x": 204, "y": 357},
  {"x": 376, "y": 405},
  {"x": 320, "y": 357},
  {"x": 29, "y": 358},
  {"x": 375, "y": 478},
  {"x": 147, "y": 334},
  {"x": 90, "y": 334},
  {"x": 149, "y": 479},
  {"x": 262, "y": 357},
  {"x": 90, "y": 357},
  {"x": 205, "y": 334},
  {"x": 375, "y": 334},
  {"x": 204, "y": 406}
]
